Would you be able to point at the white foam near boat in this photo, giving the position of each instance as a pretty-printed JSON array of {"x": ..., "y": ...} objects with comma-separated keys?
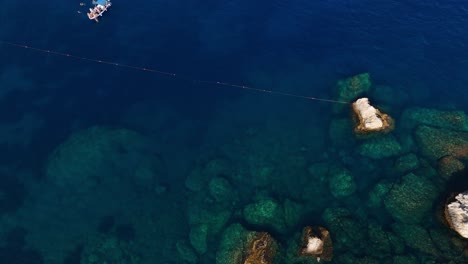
[{"x": 100, "y": 7}]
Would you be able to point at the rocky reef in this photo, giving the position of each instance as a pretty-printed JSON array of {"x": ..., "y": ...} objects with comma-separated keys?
[{"x": 262, "y": 195}]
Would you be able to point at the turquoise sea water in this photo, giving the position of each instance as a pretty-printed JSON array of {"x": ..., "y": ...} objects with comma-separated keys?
[{"x": 102, "y": 163}]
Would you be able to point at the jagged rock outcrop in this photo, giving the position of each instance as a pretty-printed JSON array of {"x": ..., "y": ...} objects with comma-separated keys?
[
  {"x": 316, "y": 242},
  {"x": 456, "y": 214},
  {"x": 370, "y": 118}
]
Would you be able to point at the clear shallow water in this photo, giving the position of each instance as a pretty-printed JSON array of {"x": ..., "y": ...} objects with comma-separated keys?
[{"x": 301, "y": 47}]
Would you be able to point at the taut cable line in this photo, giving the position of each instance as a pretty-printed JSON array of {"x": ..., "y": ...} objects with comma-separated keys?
[{"x": 165, "y": 73}]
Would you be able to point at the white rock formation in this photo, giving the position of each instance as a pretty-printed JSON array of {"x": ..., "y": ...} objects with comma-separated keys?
[
  {"x": 316, "y": 243},
  {"x": 314, "y": 246},
  {"x": 369, "y": 114},
  {"x": 456, "y": 214},
  {"x": 370, "y": 118}
]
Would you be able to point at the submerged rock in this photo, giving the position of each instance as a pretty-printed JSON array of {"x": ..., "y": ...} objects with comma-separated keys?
[
  {"x": 456, "y": 214},
  {"x": 292, "y": 212},
  {"x": 215, "y": 216},
  {"x": 261, "y": 249},
  {"x": 233, "y": 245},
  {"x": 198, "y": 238},
  {"x": 341, "y": 182},
  {"x": 377, "y": 194},
  {"x": 370, "y": 119},
  {"x": 202, "y": 174},
  {"x": 416, "y": 237},
  {"x": 410, "y": 200},
  {"x": 454, "y": 120},
  {"x": 406, "y": 163},
  {"x": 266, "y": 212},
  {"x": 452, "y": 247},
  {"x": 240, "y": 246},
  {"x": 449, "y": 165},
  {"x": 349, "y": 231},
  {"x": 350, "y": 88},
  {"x": 383, "y": 243},
  {"x": 221, "y": 190},
  {"x": 436, "y": 143},
  {"x": 380, "y": 147}
]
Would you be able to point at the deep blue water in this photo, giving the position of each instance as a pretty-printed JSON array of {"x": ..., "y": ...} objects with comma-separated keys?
[{"x": 297, "y": 46}]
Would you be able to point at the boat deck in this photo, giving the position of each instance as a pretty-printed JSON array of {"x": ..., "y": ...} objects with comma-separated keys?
[{"x": 98, "y": 10}]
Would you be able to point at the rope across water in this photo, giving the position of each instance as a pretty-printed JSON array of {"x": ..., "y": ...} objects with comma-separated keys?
[{"x": 169, "y": 74}]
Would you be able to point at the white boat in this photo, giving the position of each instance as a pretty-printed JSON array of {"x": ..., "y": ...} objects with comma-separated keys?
[{"x": 99, "y": 8}]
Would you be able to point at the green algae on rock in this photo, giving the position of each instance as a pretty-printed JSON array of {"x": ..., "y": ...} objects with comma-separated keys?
[
  {"x": 417, "y": 238},
  {"x": 411, "y": 200},
  {"x": 240, "y": 246},
  {"x": 210, "y": 203},
  {"x": 453, "y": 248},
  {"x": 347, "y": 230},
  {"x": 453, "y": 120},
  {"x": 378, "y": 193},
  {"x": 221, "y": 190},
  {"x": 292, "y": 213},
  {"x": 406, "y": 163},
  {"x": 200, "y": 175},
  {"x": 383, "y": 243},
  {"x": 353, "y": 87},
  {"x": 198, "y": 238},
  {"x": 448, "y": 166},
  {"x": 341, "y": 182},
  {"x": 213, "y": 215},
  {"x": 233, "y": 245},
  {"x": 265, "y": 212},
  {"x": 380, "y": 147},
  {"x": 435, "y": 143}
]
